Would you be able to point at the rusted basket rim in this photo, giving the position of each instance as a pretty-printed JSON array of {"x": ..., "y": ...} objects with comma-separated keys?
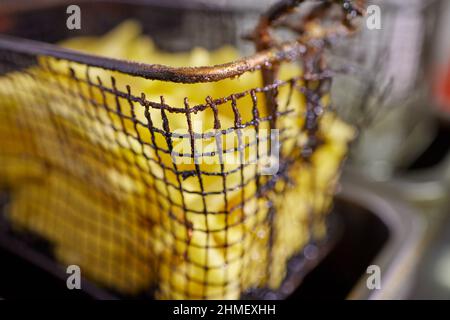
[{"x": 285, "y": 52}]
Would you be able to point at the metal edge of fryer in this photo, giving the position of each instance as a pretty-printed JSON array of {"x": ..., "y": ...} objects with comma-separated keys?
[{"x": 398, "y": 259}]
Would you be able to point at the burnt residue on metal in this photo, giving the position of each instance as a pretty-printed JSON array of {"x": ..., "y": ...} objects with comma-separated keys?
[
  {"x": 315, "y": 38},
  {"x": 265, "y": 56},
  {"x": 286, "y": 52}
]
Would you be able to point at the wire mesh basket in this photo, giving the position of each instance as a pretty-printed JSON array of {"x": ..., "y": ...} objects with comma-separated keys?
[{"x": 208, "y": 191}]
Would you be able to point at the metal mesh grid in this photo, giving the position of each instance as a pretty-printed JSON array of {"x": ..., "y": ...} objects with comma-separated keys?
[{"x": 93, "y": 167}]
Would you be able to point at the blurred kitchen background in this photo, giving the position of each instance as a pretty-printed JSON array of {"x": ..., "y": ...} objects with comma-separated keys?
[{"x": 403, "y": 154}]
